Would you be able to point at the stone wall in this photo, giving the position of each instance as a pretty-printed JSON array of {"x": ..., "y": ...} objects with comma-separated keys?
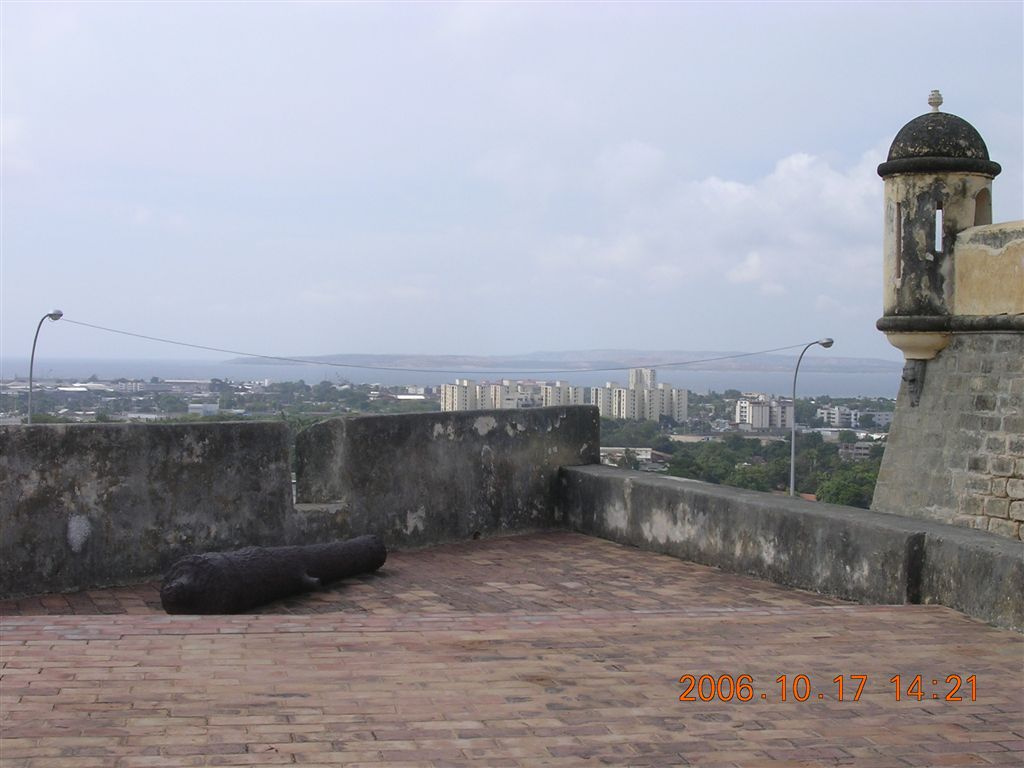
[
  {"x": 91, "y": 505},
  {"x": 958, "y": 456},
  {"x": 85, "y": 505},
  {"x": 851, "y": 553},
  {"x": 425, "y": 478}
]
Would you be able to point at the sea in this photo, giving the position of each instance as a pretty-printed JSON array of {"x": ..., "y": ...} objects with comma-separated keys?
[{"x": 810, "y": 382}]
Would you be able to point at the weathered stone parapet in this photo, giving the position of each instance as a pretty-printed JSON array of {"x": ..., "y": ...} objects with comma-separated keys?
[
  {"x": 842, "y": 551},
  {"x": 420, "y": 479},
  {"x": 86, "y": 505},
  {"x": 839, "y": 551},
  {"x": 975, "y": 573},
  {"x": 958, "y": 455},
  {"x": 92, "y": 505}
]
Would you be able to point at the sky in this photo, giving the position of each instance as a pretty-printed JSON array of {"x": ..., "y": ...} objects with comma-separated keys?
[{"x": 478, "y": 178}]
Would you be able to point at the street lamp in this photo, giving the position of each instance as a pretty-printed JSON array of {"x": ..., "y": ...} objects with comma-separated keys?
[
  {"x": 54, "y": 316},
  {"x": 826, "y": 343}
]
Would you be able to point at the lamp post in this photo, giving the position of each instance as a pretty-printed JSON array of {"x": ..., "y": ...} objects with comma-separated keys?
[
  {"x": 54, "y": 316},
  {"x": 826, "y": 343}
]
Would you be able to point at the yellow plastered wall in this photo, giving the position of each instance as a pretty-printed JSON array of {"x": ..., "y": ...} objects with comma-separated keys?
[{"x": 988, "y": 265}]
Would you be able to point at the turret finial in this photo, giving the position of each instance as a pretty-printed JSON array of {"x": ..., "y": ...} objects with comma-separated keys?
[{"x": 935, "y": 100}]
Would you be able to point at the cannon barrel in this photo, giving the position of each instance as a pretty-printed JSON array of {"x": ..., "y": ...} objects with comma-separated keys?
[{"x": 231, "y": 582}]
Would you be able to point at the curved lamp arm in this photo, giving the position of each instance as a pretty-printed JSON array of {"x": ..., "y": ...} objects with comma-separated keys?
[
  {"x": 826, "y": 343},
  {"x": 53, "y": 316}
]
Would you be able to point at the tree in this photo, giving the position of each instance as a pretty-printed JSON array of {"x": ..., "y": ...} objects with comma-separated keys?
[
  {"x": 805, "y": 411},
  {"x": 847, "y": 436},
  {"x": 683, "y": 464},
  {"x": 664, "y": 444},
  {"x": 754, "y": 477},
  {"x": 324, "y": 392},
  {"x": 170, "y": 403},
  {"x": 852, "y": 485}
]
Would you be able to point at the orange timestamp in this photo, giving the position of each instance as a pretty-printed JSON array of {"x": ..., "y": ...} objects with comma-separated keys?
[{"x": 843, "y": 688}]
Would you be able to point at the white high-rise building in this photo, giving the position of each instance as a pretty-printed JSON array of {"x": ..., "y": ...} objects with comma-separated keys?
[
  {"x": 781, "y": 413},
  {"x": 613, "y": 401},
  {"x": 578, "y": 396},
  {"x": 758, "y": 412},
  {"x": 642, "y": 378},
  {"x": 499, "y": 396},
  {"x": 839, "y": 416},
  {"x": 460, "y": 396},
  {"x": 753, "y": 412},
  {"x": 555, "y": 394},
  {"x": 624, "y": 403},
  {"x": 644, "y": 403},
  {"x": 602, "y": 398},
  {"x": 670, "y": 401},
  {"x": 561, "y": 393}
]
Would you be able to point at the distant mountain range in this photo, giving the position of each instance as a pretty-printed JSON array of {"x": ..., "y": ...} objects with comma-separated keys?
[{"x": 604, "y": 359}]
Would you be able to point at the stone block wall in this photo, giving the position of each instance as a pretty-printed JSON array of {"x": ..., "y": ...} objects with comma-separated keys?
[
  {"x": 421, "y": 479},
  {"x": 958, "y": 456},
  {"x": 86, "y": 505},
  {"x": 852, "y": 553}
]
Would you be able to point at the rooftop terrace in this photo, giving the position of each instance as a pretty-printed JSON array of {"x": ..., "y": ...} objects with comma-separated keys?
[
  {"x": 542, "y": 649},
  {"x": 563, "y": 644}
]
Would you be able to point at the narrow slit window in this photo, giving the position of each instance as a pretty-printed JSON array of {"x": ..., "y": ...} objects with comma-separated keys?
[
  {"x": 899, "y": 240},
  {"x": 938, "y": 228}
]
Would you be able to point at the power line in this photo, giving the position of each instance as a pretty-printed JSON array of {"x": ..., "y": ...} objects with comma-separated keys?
[{"x": 326, "y": 363}]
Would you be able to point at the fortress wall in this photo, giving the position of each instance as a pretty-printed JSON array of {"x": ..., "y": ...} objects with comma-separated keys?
[
  {"x": 91, "y": 505},
  {"x": 87, "y": 505},
  {"x": 842, "y": 551},
  {"x": 84, "y": 505},
  {"x": 958, "y": 456},
  {"x": 421, "y": 479}
]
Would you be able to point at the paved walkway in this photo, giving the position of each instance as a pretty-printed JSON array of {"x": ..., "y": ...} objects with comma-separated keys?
[{"x": 550, "y": 649}]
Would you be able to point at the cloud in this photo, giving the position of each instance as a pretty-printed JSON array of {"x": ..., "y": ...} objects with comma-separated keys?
[
  {"x": 630, "y": 166},
  {"x": 750, "y": 270},
  {"x": 803, "y": 224}
]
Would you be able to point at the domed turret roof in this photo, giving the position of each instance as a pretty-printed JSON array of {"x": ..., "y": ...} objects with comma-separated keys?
[{"x": 938, "y": 142}]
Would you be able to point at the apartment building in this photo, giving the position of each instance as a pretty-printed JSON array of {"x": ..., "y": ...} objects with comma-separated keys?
[
  {"x": 642, "y": 378},
  {"x": 838, "y": 416},
  {"x": 756, "y": 412},
  {"x": 460, "y": 396},
  {"x": 848, "y": 418},
  {"x": 560, "y": 393},
  {"x": 651, "y": 402},
  {"x": 602, "y": 398}
]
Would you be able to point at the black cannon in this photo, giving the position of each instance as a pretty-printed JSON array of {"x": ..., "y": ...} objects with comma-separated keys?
[{"x": 231, "y": 582}]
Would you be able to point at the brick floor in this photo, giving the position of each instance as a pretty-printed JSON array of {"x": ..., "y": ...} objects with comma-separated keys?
[{"x": 552, "y": 649}]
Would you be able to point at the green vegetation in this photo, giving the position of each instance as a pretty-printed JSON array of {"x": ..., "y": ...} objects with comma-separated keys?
[
  {"x": 48, "y": 418},
  {"x": 747, "y": 463},
  {"x": 758, "y": 463},
  {"x": 852, "y": 485}
]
